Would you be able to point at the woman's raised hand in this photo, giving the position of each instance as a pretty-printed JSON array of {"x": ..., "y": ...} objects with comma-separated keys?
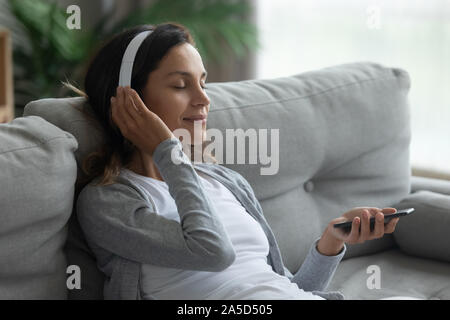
[{"x": 136, "y": 122}]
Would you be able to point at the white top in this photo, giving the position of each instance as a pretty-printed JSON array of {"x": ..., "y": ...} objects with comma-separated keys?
[{"x": 249, "y": 277}]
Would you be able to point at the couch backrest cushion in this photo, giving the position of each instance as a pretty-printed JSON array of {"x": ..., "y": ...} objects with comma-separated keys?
[
  {"x": 344, "y": 136},
  {"x": 37, "y": 175}
]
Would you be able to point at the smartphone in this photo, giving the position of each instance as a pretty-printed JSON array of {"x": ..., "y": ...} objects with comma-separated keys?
[{"x": 347, "y": 226}]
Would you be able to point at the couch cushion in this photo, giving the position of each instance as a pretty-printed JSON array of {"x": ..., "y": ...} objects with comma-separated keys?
[
  {"x": 74, "y": 115},
  {"x": 425, "y": 233},
  {"x": 344, "y": 135},
  {"x": 430, "y": 184},
  {"x": 338, "y": 129},
  {"x": 38, "y": 175},
  {"x": 400, "y": 275}
]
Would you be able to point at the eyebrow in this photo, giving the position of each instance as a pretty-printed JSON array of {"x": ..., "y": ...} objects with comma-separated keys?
[{"x": 185, "y": 73}]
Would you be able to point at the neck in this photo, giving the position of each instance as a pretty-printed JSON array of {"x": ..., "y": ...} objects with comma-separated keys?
[{"x": 143, "y": 164}]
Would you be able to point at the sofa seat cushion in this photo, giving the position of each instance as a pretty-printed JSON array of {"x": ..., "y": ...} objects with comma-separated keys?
[{"x": 400, "y": 275}]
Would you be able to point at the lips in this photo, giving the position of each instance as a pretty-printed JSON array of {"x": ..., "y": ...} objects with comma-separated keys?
[
  {"x": 196, "y": 117},
  {"x": 192, "y": 119}
]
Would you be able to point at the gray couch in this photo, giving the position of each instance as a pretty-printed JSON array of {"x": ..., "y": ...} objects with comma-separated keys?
[{"x": 344, "y": 136}]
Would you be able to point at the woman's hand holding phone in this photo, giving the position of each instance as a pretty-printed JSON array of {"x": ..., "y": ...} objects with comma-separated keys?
[
  {"x": 136, "y": 122},
  {"x": 360, "y": 230},
  {"x": 333, "y": 238}
]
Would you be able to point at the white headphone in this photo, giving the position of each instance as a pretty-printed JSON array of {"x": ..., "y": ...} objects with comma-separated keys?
[{"x": 126, "y": 67}]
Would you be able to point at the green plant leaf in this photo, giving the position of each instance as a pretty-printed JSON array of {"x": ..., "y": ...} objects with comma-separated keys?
[{"x": 55, "y": 53}]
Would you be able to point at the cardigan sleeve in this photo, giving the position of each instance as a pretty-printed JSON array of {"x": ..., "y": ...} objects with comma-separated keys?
[
  {"x": 317, "y": 269},
  {"x": 118, "y": 219}
]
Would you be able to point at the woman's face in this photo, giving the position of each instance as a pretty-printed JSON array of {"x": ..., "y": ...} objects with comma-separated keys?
[{"x": 175, "y": 91}]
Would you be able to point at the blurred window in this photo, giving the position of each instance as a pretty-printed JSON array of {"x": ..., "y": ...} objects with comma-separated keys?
[{"x": 298, "y": 36}]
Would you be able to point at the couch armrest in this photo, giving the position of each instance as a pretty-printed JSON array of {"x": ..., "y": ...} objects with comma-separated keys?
[
  {"x": 430, "y": 184},
  {"x": 425, "y": 233}
]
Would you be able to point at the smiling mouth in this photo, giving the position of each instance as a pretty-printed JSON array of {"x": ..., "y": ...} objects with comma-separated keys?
[{"x": 192, "y": 120}]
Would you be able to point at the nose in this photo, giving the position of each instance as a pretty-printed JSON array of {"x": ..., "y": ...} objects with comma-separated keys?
[{"x": 201, "y": 99}]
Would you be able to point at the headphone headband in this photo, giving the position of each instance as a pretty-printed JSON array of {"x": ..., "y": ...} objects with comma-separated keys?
[{"x": 126, "y": 67}]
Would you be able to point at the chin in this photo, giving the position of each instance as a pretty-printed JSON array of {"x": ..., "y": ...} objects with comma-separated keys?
[
  {"x": 198, "y": 142},
  {"x": 199, "y": 139}
]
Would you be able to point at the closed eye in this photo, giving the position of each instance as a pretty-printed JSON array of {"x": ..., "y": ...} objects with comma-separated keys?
[{"x": 203, "y": 87}]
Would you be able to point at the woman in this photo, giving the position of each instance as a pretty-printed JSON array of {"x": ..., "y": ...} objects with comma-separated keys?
[{"x": 162, "y": 227}]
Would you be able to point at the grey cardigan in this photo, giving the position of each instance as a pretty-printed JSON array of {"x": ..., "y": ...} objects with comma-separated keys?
[{"x": 123, "y": 230}]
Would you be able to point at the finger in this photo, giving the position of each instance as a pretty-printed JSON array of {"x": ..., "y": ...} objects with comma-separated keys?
[
  {"x": 390, "y": 226},
  {"x": 135, "y": 102},
  {"x": 378, "y": 231},
  {"x": 373, "y": 211},
  {"x": 130, "y": 109},
  {"x": 120, "y": 116},
  {"x": 112, "y": 107},
  {"x": 354, "y": 233},
  {"x": 114, "y": 111},
  {"x": 134, "y": 110},
  {"x": 389, "y": 211},
  {"x": 119, "y": 105},
  {"x": 120, "y": 97},
  {"x": 365, "y": 226},
  {"x": 141, "y": 108}
]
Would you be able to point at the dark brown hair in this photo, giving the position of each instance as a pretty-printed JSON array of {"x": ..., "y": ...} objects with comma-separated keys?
[{"x": 100, "y": 85}]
